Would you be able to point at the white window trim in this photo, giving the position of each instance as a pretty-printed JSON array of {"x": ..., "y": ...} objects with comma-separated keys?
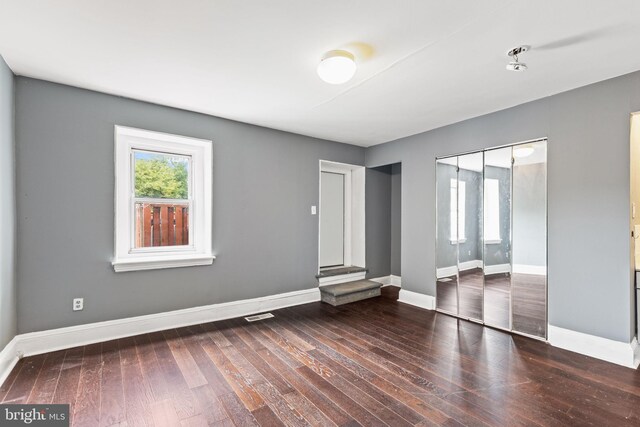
[{"x": 199, "y": 251}]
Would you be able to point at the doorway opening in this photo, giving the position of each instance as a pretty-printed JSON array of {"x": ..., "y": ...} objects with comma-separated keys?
[{"x": 341, "y": 230}]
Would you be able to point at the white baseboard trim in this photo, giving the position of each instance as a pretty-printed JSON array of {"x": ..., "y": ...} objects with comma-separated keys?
[
  {"x": 469, "y": 265},
  {"x": 9, "y": 356},
  {"x": 498, "y": 268},
  {"x": 391, "y": 280},
  {"x": 491, "y": 269},
  {"x": 57, "y": 339},
  {"x": 453, "y": 270},
  {"x": 538, "y": 270},
  {"x": 621, "y": 353},
  {"x": 342, "y": 278},
  {"x": 417, "y": 299},
  {"x": 446, "y": 271}
]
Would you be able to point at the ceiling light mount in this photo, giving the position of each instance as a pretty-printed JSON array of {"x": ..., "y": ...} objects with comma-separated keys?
[
  {"x": 337, "y": 67},
  {"x": 516, "y": 65}
]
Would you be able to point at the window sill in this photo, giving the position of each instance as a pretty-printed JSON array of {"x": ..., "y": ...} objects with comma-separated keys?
[
  {"x": 493, "y": 242},
  {"x": 157, "y": 262},
  {"x": 454, "y": 242}
]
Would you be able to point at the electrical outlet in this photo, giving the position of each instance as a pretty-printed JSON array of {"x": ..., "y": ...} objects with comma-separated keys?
[
  {"x": 78, "y": 304},
  {"x": 313, "y": 210}
]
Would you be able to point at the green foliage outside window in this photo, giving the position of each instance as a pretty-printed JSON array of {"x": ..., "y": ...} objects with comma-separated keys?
[{"x": 161, "y": 176}]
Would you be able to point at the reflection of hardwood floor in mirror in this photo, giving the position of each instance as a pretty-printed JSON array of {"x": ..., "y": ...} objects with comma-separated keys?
[
  {"x": 471, "y": 294},
  {"x": 528, "y": 294},
  {"x": 446, "y": 298},
  {"x": 496, "y": 300}
]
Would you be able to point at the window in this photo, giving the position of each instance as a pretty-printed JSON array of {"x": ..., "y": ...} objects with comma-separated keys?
[
  {"x": 457, "y": 211},
  {"x": 491, "y": 211},
  {"x": 163, "y": 200}
]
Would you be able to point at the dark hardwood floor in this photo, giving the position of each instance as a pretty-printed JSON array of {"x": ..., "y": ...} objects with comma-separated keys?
[{"x": 375, "y": 362}]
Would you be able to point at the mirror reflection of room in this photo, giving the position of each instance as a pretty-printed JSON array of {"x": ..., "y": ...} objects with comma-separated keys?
[{"x": 491, "y": 237}]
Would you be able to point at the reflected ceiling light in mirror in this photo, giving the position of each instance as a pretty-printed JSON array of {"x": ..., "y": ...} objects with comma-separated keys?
[
  {"x": 524, "y": 151},
  {"x": 337, "y": 67}
]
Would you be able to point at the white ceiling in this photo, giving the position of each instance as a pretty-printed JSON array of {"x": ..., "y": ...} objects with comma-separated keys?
[{"x": 422, "y": 63}]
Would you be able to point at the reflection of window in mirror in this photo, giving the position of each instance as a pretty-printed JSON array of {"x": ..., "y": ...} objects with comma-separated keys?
[
  {"x": 457, "y": 212},
  {"x": 491, "y": 211}
]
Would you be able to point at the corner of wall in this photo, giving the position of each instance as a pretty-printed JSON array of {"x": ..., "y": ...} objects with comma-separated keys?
[{"x": 8, "y": 244}]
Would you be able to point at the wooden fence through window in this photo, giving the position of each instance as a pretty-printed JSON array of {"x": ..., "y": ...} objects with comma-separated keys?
[{"x": 161, "y": 225}]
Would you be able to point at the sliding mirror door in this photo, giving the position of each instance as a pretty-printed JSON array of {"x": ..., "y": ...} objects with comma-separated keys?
[
  {"x": 447, "y": 235},
  {"x": 497, "y": 237},
  {"x": 529, "y": 237},
  {"x": 470, "y": 275},
  {"x": 491, "y": 244}
]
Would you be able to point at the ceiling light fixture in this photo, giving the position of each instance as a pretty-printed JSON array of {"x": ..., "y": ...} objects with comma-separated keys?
[
  {"x": 516, "y": 65},
  {"x": 521, "y": 152},
  {"x": 337, "y": 67}
]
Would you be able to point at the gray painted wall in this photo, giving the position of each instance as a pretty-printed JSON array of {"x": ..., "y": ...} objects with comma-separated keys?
[
  {"x": 264, "y": 182},
  {"x": 590, "y": 273},
  {"x": 396, "y": 219},
  {"x": 8, "y": 203},
  {"x": 378, "y": 221}
]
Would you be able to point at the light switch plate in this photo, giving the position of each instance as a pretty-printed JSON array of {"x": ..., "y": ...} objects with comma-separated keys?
[{"x": 313, "y": 210}]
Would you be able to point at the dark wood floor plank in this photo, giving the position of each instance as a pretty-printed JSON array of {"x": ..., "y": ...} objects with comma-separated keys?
[
  {"x": 266, "y": 418},
  {"x": 340, "y": 399},
  {"x": 185, "y": 404},
  {"x": 164, "y": 414},
  {"x": 308, "y": 410},
  {"x": 210, "y": 405},
  {"x": 368, "y": 388},
  {"x": 87, "y": 410},
  {"x": 265, "y": 370},
  {"x": 375, "y": 362},
  {"x": 67, "y": 388},
  {"x": 238, "y": 413},
  {"x": 45, "y": 385},
  {"x": 151, "y": 368},
  {"x": 280, "y": 406},
  {"x": 286, "y": 366},
  {"x": 187, "y": 365},
  {"x": 24, "y": 382},
  {"x": 138, "y": 396},
  {"x": 391, "y": 379},
  {"x": 364, "y": 338},
  {"x": 196, "y": 421},
  {"x": 240, "y": 385},
  {"x": 8, "y": 382},
  {"x": 112, "y": 406},
  {"x": 193, "y": 337}
]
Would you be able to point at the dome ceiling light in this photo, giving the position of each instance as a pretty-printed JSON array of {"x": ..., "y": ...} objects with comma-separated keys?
[
  {"x": 337, "y": 67},
  {"x": 516, "y": 65}
]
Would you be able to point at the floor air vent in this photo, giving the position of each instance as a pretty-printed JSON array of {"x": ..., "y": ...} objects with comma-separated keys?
[{"x": 258, "y": 317}]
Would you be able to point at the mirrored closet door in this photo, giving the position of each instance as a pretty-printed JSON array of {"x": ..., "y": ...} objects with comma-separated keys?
[{"x": 491, "y": 246}]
